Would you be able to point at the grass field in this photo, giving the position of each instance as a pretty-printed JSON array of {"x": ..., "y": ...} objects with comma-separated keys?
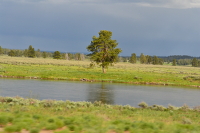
[
  {"x": 122, "y": 72},
  {"x": 48, "y": 116}
]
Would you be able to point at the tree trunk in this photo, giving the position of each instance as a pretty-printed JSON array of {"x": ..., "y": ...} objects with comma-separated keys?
[{"x": 103, "y": 69}]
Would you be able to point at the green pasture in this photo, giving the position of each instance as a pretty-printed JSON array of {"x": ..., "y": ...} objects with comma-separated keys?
[
  {"x": 18, "y": 114},
  {"x": 123, "y": 72}
]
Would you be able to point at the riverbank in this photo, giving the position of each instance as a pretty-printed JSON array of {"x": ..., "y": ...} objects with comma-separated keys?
[
  {"x": 39, "y": 68},
  {"x": 30, "y": 115}
]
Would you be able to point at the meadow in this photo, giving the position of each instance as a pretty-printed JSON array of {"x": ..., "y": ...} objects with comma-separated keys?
[
  {"x": 50, "y": 116},
  {"x": 122, "y": 72}
]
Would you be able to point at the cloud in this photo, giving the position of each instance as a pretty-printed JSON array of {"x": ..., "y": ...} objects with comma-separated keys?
[
  {"x": 180, "y": 4},
  {"x": 138, "y": 25}
]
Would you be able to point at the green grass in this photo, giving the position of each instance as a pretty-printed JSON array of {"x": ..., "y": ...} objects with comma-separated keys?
[
  {"x": 40, "y": 68},
  {"x": 94, "y": 117}
]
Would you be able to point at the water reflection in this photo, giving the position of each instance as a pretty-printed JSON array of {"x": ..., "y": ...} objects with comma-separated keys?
[
  {"x": 109, "y": 93},
  {"x": 101, "y": 92}
]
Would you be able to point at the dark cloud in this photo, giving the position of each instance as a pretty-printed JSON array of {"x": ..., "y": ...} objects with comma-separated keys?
[{"x": 67, "y": 25}]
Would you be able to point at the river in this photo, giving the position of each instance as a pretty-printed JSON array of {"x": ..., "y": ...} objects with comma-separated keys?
[{"x": 110, "y": 93}]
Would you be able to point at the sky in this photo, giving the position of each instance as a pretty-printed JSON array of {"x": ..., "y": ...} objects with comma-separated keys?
[{"x": 151, "y": 27}]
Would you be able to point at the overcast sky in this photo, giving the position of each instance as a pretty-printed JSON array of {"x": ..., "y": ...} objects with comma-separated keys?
[{"x": 152, "y": 27}]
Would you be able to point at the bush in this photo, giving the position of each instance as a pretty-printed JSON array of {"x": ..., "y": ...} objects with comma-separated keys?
[
  {"x": 143, "y": 105},
  {"x": 12, "y": 128},
  {"x": 170, "y": 107},
  {"x": 158, "y": 107},
  {"x": 34, "y": 130},
  {"x": 3, "y": 120},
  {"x": 184, "y": 108},
  {"x": 186, "y": 121}
]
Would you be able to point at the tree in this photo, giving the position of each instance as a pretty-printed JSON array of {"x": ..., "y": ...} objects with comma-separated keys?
[
  {"x": 70, "y": 56},
  {"x": 155, "y": 60},
  {"x": 44, "y": 54},
  {"x": 142, "y": 58},
  {"x": 174, "y": 62},
  {"x": 38, "y": 53},
  {"x": 194, "y": 62},
  {"x": 11, "y": 53},
  {"x": 133, "y": 58},
  {"x": 103, "y": 48},
  {"x": 66, "y": 56},
  {"x": 1, "y": 50},
  {"x": 56, "y": 55},
  {"x": 31, "y": 52},
  {"x": 148, "y": 59}
]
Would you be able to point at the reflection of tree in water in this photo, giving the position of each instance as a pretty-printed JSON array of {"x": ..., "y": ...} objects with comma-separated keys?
[{"x": 101, "y": 92}]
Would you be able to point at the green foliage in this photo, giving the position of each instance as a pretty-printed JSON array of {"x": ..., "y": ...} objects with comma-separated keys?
[
  {"x": 56, "y": 55},
  {"x": 96, "y": 117},
  {"x": 31, "y": 52},
  {"x": 11, "y": 53},
  {"x": 186, "y": 121},
  {"x": 142, "y": 58},
  {"x": 133, "y": 58},
  {"x": 12, "y": 128},
  {"x": 174, "y": 62},
  {"x": 184, "y": 62},
  {"x": 148, "y": 59},
  {"x": 35, "y": 130},
  {"x": 3, "y": 120},
  {"x": 38, "y": 53},
  {"x": 44, "y": 54},
  {"x": 1, "y": 50},
  {"x": 143, "y": 105},
  {"x": 195, "y": 62},
  {"x": 103, "y": 48}
]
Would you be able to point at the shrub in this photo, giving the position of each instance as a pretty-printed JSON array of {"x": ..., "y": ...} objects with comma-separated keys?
[
  {"x": 51, "y": 120},
  {"x": 197, "y": 108},
  {"x": 12, "y": 128},
  {"x": 34, "y": 130},
  {"x": 158, "y": 107},
  {"x": 3, "y": 120},
  {"x": 51, "y": 127},
  {"x": 143, "y": 105},
  {"x": 170, "y": 107},
  {"x": 184, "y": 108},
  {"x": 186, "y": 121}
]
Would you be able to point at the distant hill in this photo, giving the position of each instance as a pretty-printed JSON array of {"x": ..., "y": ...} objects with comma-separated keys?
[{"x": 177, "y": 57}]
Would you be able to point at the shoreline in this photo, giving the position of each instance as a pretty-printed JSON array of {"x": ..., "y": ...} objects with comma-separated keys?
[{"x": 94, "y": 80}]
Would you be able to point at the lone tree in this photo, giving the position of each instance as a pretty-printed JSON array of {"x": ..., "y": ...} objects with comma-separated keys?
[{"x": 103, "y": 48}]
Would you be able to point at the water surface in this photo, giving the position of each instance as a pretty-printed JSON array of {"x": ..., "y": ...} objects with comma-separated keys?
[{"x": 111, "y": 93}]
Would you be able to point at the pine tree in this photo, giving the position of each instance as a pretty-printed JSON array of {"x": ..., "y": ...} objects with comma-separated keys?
[
  {"x": 31, "y": 52},
  {"x": 103, "y": 48},
  {"x": 56, "y": 55}
]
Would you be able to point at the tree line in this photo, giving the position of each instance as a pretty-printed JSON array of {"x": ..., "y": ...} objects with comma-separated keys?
[{"x": 32, "y": 53}]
